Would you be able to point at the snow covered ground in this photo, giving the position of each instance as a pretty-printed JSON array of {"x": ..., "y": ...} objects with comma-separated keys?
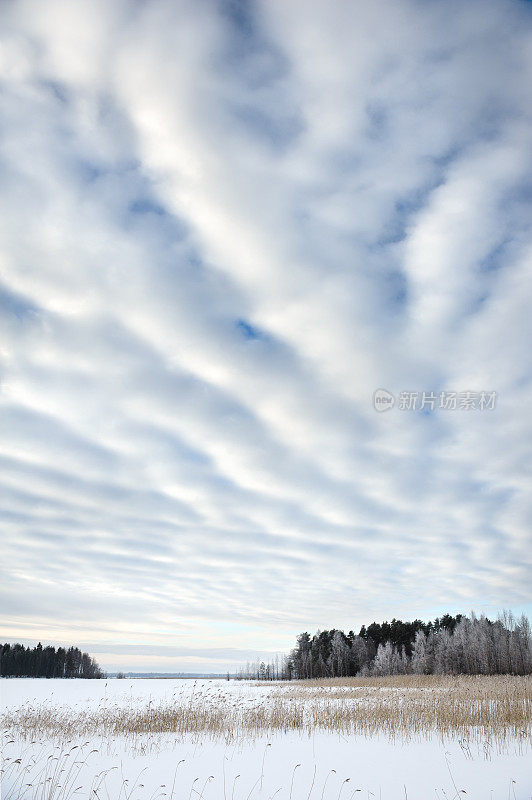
[{"x": 322, "y": 766}]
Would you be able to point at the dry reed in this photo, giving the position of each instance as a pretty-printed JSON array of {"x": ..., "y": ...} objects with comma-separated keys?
[{"x": 473, "y": 708}]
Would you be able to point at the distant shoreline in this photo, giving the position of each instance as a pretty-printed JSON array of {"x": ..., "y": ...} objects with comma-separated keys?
[
  {"x": 114, "y": 676},
  {"x": 171, "y": 675}
]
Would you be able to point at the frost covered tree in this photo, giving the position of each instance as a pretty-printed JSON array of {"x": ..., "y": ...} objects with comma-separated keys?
[
  {"x": 387, "y": 660},
  {"x": 339, "y": 654},
  {"x": 422, "y": 655},
  {"x": 447, "y": 646}
]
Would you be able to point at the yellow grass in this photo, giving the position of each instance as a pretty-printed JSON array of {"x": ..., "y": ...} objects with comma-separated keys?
[{"x": 473, "y": 708}]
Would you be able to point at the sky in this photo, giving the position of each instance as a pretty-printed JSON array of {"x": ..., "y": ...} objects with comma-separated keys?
[{"x": 225, "y": 225}]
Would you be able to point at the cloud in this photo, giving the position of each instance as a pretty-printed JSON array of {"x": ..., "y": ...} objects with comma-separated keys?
[{"x": 222, "y": 229}]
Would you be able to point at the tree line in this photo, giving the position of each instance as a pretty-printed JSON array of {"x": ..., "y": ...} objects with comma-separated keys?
[
  {"x": 450, "y": 645},
  {"x": 17, "y": 661}
]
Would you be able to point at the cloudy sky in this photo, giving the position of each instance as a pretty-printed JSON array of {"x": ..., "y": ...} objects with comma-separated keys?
[{"x": 224, "y": 225}]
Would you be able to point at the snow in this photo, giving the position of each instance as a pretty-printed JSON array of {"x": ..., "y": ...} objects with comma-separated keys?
[{"x": 283, "y": 766}]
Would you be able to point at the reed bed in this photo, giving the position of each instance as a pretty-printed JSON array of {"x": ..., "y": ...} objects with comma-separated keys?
[{"x": 472, "y": 708}]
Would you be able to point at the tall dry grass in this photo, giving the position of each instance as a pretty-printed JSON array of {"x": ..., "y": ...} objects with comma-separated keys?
[{"x": 474, "y": 708}]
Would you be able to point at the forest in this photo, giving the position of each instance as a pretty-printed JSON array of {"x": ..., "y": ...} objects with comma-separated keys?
[
  {"x": 17, "y": 661},
  {"x": 450, "y": 645},
  {"x": 447, "y": 646}
]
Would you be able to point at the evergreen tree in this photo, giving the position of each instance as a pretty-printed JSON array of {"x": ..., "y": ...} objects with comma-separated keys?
[{"x": 38, "y": 662}]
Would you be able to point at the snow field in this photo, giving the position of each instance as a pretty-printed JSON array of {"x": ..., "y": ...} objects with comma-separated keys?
[{"x": 295, "y": 765}]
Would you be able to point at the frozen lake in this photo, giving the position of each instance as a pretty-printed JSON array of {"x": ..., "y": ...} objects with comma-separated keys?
[{"x": 320, "y": 766}]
